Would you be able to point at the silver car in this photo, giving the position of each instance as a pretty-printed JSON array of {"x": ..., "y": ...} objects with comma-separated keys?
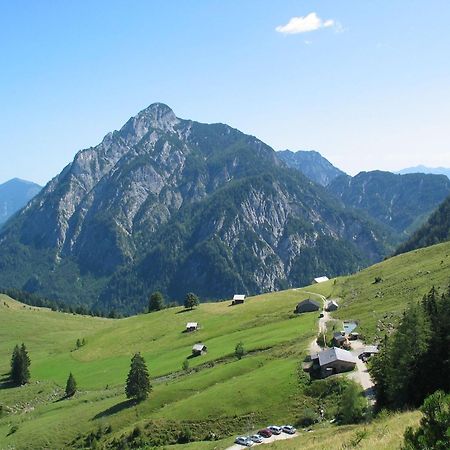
[
  {"x": 257, "y": 438},
  {"x": 289, "y": 429},
  {"x": 244, "y": 440}
]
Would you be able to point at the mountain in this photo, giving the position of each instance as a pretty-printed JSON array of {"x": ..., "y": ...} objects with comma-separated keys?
[
  {"x": 14, "y": 195},
  {"x": 434, "y": 231},
  {"x": 423, "y": 169},
  {"x": 402, "y": 202},
  {"x": 179, "y": 206},
  {"x": 312, "y": 164}
]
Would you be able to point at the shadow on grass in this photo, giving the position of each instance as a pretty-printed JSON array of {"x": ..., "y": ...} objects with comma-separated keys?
[
  {"x": 116, "y": 408},
  {"x": 5, "y": 382},
  {"x": 184, "y": 311}
]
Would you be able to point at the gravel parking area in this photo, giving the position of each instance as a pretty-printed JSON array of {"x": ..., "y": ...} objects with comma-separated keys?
[{"x": 273, "y": 438}]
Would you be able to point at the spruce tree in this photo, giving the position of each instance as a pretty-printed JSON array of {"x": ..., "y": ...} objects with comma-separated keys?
[
  {"x": 71, "y": 386},
  {"x": 155, "y": 302},
  {"x": 20, "y": 365},
  {"x": 191, "y": 301},
  {"x": 138, "y": 380}
]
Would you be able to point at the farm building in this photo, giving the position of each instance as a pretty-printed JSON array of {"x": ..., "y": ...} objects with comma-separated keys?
[
  {"x": 191, "y": 326},
  {"x": 238, "y": 299},
  {"x": 199, "y": 349},
  {"x": 307, "y": 305},
  {"x": 339, "y": 340},
  {"x": 331, "y": 306},
  {"x": 319, "y": 280},
  {"x": 334, "y": 360}
]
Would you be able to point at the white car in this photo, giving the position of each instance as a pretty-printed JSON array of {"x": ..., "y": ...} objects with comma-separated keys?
[
  {"x": 289, "y": 429},
  {"x": 257, "y": 438},
  {"x": 243, "y": 440},
  {"x": 275, "y": 429}
]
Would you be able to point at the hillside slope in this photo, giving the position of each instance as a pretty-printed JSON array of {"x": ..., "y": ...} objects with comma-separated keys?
[
  {"x": 435, "y": 230},
  {"x": 218, "y": 386},
  {"x": 177, "y": 205},
  {"x": 14, "y": 195},
  {"x": 402, "y": 202}
]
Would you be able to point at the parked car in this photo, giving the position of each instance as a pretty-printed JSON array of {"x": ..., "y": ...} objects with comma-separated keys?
[
  {"x": 244, "y": 440},
  {"x": 320, "y": 315},
  {"x": 257, "y": 438},
  {"x": 289, "y": 429},
  {"x": 265, "y": 433},
  {"x": 275, "y": 429}
]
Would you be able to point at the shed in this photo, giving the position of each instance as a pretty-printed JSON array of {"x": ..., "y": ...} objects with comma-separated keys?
[
  {"x": 238, "y": 299},
  {"x": 199, "y": 349},
  {"x": 307, "y": 305},
  {"x": 320, "y": 280},
  {"x": 339, "y": 339},
  {"x": 336, "y": 360},
  {"x": 192, "y": 326},
  {"x": 332, "y": 306}
]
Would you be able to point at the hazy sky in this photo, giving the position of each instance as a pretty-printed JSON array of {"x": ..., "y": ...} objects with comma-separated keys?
[{"x": 366, "y": 83}]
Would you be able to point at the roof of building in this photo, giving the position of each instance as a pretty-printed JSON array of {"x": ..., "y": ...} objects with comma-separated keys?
[
  {"x": 371, "y": 349},
  {"x": 192, "y": 325},
  {"x": 338, "y": 336},
  {"x": 321, "y": 279},
  {"x": 332, "y": 302},
  {"x": 308, "y": 301},
  {"x": 335, "y": 354},
  {"x": 198, "y": 347},
  {"x": 239, "y": 297}
]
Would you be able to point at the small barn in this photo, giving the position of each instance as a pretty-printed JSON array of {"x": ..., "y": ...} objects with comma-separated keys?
[
  {"x": 335, "y": 360},
  {"x": 331, "y": 306},
  {"x": 238, "y": 299},
  {"x": 307, "y": 305},
  {"x": 191, "y": 326},
  {"x": 199, "y": 349},
  {"x": 320, "y": 280},
  {"x": 339, "y": 340}
]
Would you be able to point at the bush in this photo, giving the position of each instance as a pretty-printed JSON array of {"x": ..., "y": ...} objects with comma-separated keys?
[{"x": 353, "y": 406}]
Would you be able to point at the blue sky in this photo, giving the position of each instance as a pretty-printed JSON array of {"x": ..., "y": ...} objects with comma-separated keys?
[{"x": 370, "y": 88}]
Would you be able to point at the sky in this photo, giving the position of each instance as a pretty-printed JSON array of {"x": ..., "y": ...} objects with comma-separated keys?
[{"x": 365, "y": 83}]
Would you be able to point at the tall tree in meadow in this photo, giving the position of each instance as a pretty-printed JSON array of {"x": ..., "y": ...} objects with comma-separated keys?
[
  {"x": 191, "y": 301},
  {"x": 155, "y": 302},
  {"x": 71, "y": 386},
  {"x": 138, "y": 381},
  {"x": 20, "y": 365}
]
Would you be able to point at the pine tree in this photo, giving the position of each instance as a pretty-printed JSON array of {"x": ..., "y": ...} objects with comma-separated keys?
[
  {"x": 156, "y": 302},
  {"x": 20, "y": 365},
  {"x": 191, "y": 301},
  {"x": 71, "y": 386},
  {"x": 138, "y": 381},
  {"x": 239, "y": 350}
]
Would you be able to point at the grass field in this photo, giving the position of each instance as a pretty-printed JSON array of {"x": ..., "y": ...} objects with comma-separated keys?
[{"x": 262, "y": 387}]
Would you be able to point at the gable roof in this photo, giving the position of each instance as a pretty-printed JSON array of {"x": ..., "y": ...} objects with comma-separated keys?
[
  {"x": 239, "y": 297},
  {"x": 321, "y": 279},
  {"x": 308, "y": 301},
  {"x": 338, "y": 336},
  {"x": 335, "y": 354},
  {"x": 198, "y": 347}
]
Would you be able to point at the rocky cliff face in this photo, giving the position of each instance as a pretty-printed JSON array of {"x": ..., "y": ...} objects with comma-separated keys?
[
  {"x": 312, "y": 164},
  {"x": 402, "y": 202},
  {"x": 176, "y": 205}
]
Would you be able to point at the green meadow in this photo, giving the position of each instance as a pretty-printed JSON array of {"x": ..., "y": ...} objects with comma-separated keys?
[{"x": 218, "y": 392}]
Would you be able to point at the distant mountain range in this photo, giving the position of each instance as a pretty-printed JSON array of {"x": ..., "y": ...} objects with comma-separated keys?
[
  {"x": 14, "y": 195},
  {"x": 402, "y": 202},
  {"x": 424, "y": 169},
  {"x": 175, "y": 205},
  {"x": 312, "y": 164}
]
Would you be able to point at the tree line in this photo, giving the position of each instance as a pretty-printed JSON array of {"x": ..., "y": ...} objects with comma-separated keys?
[{"x": 414, "y": 361}]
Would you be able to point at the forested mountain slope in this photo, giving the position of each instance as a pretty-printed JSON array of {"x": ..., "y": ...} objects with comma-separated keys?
[{"x": 176, "y": 205}]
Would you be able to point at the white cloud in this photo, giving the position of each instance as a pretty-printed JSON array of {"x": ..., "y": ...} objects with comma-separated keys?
[{"x": 311, "y": 22}]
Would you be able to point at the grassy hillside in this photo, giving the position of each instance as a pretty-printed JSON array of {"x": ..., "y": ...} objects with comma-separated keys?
[
  {"x": 262, "y": 387},
  {"x": 402, "y": 279}
]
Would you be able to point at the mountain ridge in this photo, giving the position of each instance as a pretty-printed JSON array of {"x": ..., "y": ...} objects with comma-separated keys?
[{"x": 148, "y": 202}]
